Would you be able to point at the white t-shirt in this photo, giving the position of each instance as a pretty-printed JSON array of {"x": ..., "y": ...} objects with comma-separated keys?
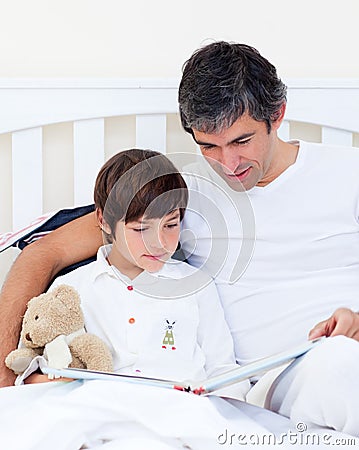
[
  {"x": 299, "y": 259},
  {"x": 152, "y": 325}
]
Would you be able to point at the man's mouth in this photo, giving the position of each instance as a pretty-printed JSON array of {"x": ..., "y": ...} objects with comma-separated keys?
[{"x": 239, "y": 175}]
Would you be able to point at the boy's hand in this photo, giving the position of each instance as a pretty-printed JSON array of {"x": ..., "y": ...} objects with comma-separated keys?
[
  {"x": 344, "y": 322},
  {"x": 40, "y": 378}
]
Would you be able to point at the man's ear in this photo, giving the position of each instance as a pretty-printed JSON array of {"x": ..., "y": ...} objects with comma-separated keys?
[
  {"x": 101, "y": 221},
  {"x": 279, "y": 117}
]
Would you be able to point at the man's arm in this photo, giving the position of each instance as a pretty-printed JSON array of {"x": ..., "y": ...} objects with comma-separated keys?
[{"x": 32, "y": 272}]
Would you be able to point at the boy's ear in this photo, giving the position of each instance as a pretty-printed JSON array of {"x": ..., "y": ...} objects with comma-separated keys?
[{"x": 101, "y": 221}]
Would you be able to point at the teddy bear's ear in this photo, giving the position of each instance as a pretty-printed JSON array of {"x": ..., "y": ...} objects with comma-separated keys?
[
  {"x": 35, "y": 300},
  {"x": 67, "y": 295}
]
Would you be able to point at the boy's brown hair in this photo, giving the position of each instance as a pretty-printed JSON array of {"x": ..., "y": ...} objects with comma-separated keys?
[{"x": 136, "y": 183}]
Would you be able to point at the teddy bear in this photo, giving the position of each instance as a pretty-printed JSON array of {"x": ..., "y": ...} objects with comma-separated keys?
[{"x": 53, "y": 326}]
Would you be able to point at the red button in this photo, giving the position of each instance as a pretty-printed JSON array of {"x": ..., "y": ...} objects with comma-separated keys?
[
  {"x": 130, "y": 288},
  {"x": 131, "y": 320}
]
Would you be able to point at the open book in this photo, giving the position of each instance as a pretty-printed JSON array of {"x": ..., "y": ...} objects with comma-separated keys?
[{"x": 199, "y": 387}]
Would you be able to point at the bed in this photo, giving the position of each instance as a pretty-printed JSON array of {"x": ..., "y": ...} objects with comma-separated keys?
[{"x": 54, "y": 136}]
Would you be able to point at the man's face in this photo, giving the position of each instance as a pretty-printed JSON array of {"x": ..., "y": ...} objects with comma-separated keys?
[{"x": 243, "y": 154}]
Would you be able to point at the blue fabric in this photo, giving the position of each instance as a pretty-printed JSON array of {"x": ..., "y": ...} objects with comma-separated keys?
[{"x": 60, "y": 218}]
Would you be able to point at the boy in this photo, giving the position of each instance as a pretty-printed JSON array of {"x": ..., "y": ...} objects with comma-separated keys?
[{"x": 159, "y": 316}]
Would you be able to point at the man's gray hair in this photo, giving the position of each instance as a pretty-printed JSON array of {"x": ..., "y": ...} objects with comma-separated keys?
[{"x": 222, "y": 81}]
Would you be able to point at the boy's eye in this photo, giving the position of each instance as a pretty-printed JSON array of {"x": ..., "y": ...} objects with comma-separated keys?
[
  {"x": 139, "y": 230},
  {"x": 172, "y": 225}
]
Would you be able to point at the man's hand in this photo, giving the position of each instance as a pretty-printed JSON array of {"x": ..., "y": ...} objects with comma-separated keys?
[
  {"x": 7, "y": 378},
  {"x": 344, "y": 322}
]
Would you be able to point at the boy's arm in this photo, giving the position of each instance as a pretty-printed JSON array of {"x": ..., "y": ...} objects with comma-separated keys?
[{"x": 32, "y": 272}]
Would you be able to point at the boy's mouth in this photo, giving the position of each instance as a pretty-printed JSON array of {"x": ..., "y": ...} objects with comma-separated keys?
[{"x": 156, "y": 257}]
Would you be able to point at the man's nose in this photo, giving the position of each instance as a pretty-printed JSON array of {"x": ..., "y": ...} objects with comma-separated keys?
[{"x": 230, "y": 159}]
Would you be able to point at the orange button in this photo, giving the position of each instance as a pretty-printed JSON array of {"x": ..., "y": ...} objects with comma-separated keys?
[{"x": 131, "y": 320}]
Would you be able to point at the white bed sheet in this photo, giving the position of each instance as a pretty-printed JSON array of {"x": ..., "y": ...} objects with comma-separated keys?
[{"x": 110, "y": 415}]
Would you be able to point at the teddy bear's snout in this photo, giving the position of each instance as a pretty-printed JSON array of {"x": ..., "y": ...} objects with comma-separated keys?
[{"x": 28, "y": 337}]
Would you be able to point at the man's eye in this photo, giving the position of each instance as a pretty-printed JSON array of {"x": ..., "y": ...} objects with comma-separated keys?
[
  {"x": 206, "y": 147},
  {"x": 139, "y": 230},
  {"x": 246, "y": 141}
]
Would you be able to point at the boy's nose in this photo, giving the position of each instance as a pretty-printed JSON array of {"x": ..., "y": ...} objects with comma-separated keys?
[{"x": 155, "y": 241}]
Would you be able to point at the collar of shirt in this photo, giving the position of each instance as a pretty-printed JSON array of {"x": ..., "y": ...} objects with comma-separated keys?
[{"x": 172, "y": 269}]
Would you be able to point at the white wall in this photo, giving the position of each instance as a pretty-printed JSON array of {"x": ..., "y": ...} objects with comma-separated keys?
[{"x": 116, "y": 38}]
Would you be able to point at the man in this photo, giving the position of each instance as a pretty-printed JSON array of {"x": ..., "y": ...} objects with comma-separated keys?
[{"x": 305, "y": 265}]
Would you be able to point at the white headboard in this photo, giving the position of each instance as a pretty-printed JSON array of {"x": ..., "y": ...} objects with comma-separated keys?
[
  {"x": 25, "y": 107},
  {"x": 28, "y": 106}
]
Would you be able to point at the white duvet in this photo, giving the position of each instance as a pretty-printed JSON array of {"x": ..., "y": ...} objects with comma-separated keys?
[{"x": 112, "y": 415}]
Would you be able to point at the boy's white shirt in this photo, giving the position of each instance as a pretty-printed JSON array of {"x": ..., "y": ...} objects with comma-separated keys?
[{"x": 202, "y": 347}]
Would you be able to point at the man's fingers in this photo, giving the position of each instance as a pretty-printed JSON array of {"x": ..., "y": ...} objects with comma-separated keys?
[
  {"x": 319, "y": 330},
  {"x": 346, "y": 323},
  {"x": 343, "y": 322}
]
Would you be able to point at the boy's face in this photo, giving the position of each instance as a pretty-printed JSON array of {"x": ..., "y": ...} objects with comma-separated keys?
[{"x": 145, "y": 244}]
